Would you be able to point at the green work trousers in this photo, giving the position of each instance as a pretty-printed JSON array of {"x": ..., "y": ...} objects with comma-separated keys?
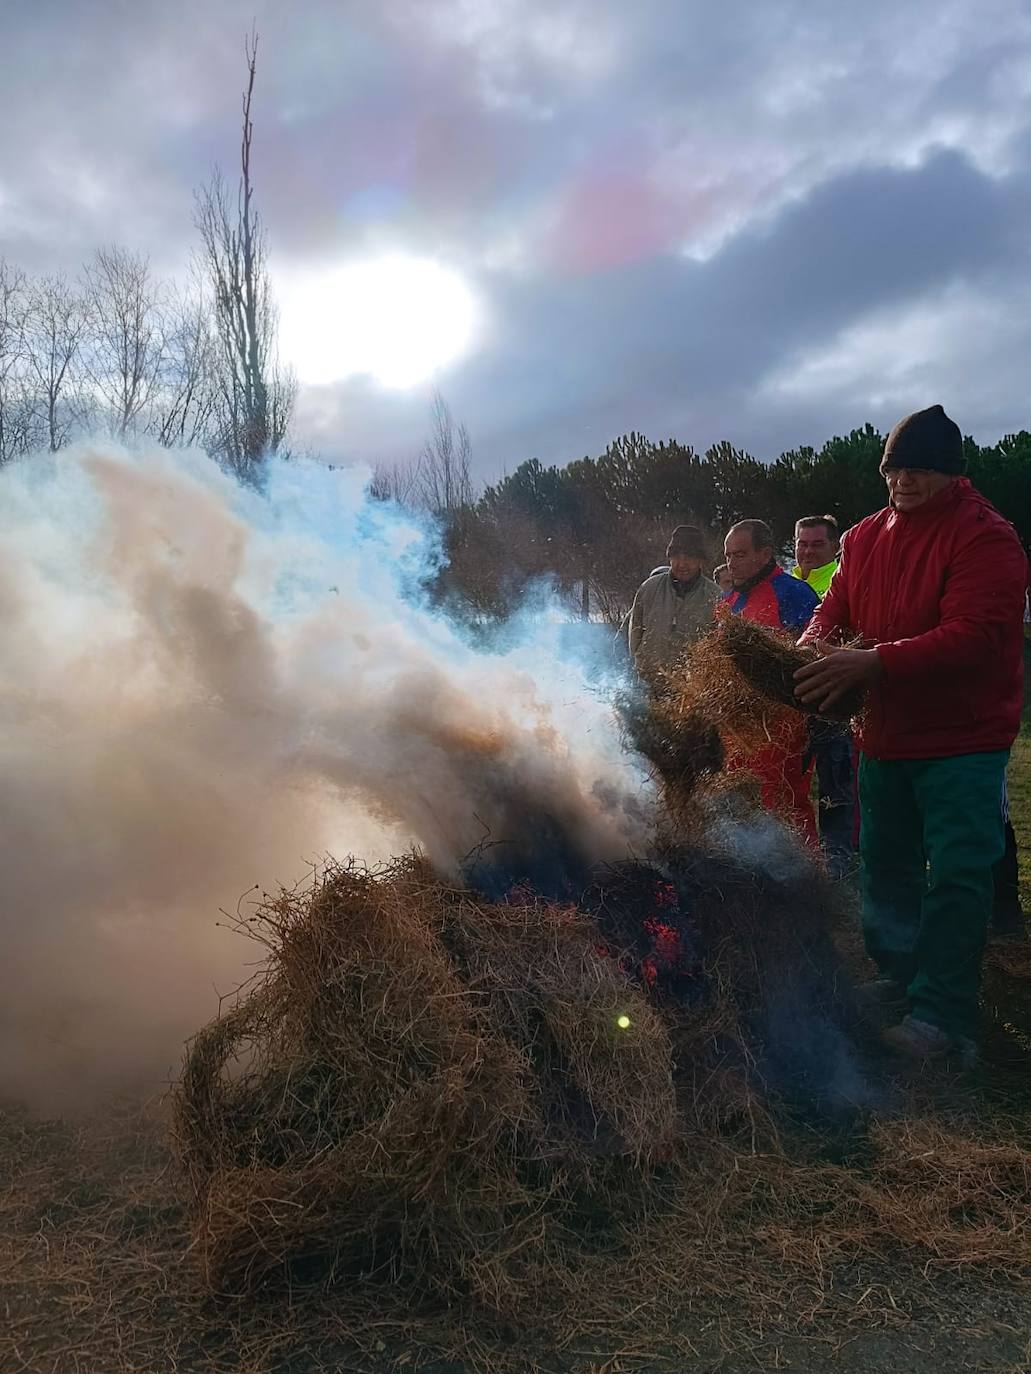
[{"x": 930, "y": 832}]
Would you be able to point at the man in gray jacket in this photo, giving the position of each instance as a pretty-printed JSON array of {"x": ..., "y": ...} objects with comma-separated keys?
[{"x": 674, "y": 606}]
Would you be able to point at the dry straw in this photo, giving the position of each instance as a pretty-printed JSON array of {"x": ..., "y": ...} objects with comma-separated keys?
[
  {"x": 740, "y": 678},
  {"x": 422, "y": 1086},
  {"x": 739, "y": 1251}
]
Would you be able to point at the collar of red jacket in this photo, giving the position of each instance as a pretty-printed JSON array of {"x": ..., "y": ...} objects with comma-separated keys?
[{"x": 948, "y": 496}]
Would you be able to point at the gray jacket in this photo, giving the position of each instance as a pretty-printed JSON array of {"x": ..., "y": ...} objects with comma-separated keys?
[{"x": 663, "y": 622}]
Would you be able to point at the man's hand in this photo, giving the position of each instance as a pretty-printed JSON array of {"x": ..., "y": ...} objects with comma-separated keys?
[{"x": 836, "y": 672}]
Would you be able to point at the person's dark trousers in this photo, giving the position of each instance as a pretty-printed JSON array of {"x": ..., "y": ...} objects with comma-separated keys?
[
  {"x": 931, "y": 833},
  {"x": 831, "y": 746},
  {"x": 1006, "y": 876}
]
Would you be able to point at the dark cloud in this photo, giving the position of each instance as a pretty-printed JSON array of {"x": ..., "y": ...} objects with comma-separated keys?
[
  {"x": 675, "y": 346},
  {"x": 680, "y": 217}
]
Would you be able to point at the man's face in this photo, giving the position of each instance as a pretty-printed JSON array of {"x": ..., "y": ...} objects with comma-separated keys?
[
  {"x": 684, "y": 566},
  {"x": 814, "y": 547},
  {"x": 743, "y": 559},
  {"x": 909, "y": 488}
]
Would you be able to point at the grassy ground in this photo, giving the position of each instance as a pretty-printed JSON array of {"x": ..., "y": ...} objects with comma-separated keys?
[{"x": 96, "y": 1274}]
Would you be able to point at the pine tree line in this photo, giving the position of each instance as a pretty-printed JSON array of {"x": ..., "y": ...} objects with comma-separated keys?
[{"x": 597, "y": 526}]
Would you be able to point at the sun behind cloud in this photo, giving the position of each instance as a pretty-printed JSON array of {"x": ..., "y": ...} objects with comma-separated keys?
[{"x": 398, "y": 319}]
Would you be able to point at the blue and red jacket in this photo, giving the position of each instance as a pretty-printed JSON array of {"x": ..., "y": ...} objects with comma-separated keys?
[{"x": 776, "y": 599}]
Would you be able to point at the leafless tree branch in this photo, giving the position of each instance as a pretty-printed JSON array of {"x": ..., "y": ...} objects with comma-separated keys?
[
  {"x": 55, "y": 321},
  {"x": 15, "y": 401},
  {"x": 256, "y": 396},
  {"x": 125, "y": 344},
  {"x": 395, "y": 482},
  {"x": 443, "y": 478}
]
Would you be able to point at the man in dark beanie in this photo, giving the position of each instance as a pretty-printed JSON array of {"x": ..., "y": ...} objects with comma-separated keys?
[
  {"x": 933, "y": 585},
  {"x": 674, "y": 606}
]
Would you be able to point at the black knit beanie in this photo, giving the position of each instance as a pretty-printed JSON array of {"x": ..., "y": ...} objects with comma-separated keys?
[
  {"x": 688, "y": 540},
  {"x": 927, "y": 440}
]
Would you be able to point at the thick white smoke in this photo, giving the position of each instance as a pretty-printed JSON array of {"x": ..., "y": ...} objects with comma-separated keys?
[{"x": 205, "y": 688}]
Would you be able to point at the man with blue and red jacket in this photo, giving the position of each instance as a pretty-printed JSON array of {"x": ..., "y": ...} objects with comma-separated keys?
[
  {"x": 933, "y": 585},
  {"x": 764, "y": 593}
]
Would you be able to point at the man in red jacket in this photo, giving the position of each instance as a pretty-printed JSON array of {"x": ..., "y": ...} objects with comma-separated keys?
[{"x": 934, "y": 586}]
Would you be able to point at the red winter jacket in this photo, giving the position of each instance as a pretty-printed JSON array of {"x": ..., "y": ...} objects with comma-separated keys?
[{"x": 940, "y": 592}]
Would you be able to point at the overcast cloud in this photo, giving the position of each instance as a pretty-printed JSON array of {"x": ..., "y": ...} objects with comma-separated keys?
[{"x": 765, "y": 222}]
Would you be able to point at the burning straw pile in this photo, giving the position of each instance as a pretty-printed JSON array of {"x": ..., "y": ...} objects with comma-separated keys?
[
  {"x": 468, "y": 1097},
  {"x": 421, "y": 1087}
]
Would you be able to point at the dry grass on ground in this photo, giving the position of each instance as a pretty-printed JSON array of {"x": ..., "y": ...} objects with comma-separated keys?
[{"x": 746, "y": 1252}]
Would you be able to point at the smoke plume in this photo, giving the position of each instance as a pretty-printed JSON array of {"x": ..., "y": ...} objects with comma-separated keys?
[{"x": 204, "y": 689}]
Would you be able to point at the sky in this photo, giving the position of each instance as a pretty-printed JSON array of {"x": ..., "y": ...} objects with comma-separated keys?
[{"x": 765, "y": 222}]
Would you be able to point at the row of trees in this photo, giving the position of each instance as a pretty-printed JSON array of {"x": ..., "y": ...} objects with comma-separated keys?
[
  {"x": 113, "y": 350},
  {"x": 597, "y": 526},
  {"x": 117, "y": 349}
]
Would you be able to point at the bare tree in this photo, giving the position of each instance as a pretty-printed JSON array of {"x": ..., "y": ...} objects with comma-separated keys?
[
  {"x": 55, "y": 320},
  {"x": 185, "y": 406},
  {"x": 125, "y": 342},
  {"x": 15, "y": 406},
  {"x": 395, "y": 482},
  {"x": 443, "y": 478},
  {"x": 256, "y": 396},
  {"x": 439, "y": 479}
]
